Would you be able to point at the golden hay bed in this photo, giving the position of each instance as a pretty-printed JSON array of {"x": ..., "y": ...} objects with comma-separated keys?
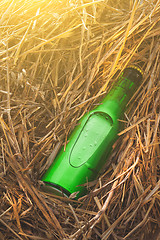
[{"x": 57, "y": 60}]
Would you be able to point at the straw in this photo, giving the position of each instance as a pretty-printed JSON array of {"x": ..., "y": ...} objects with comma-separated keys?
[{"x": 57, "y": 61}]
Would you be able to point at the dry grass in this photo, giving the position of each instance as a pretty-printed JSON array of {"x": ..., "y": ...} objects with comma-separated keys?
[{"x": 57, "y": 59}]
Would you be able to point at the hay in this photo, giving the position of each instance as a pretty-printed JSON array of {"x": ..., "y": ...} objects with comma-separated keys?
[{"x": 57, "y": 60}]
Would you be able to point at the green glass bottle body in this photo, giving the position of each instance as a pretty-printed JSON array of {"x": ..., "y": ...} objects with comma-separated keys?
[{"x": 91, "y": 141}]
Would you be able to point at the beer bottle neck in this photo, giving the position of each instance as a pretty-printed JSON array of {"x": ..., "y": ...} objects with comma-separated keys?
[
  {"x": 116, "y": 100},
  {"x": 126, "y": 86}
]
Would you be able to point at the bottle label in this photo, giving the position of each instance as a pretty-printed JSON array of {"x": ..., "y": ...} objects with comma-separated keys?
[{"x": 90, "y": 139}]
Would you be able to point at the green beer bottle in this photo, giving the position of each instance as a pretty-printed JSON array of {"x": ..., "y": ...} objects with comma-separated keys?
[{"x": 91, "y": 141}]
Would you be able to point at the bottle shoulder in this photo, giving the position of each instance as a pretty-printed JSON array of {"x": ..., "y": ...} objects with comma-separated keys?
[{"x": 111, "y": 107}]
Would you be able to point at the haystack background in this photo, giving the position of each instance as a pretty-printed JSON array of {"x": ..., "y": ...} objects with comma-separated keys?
[{"x": 57, "y": 60}]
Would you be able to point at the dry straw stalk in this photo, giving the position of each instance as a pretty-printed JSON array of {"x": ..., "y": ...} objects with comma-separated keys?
[{"x": 57, "y": 60}]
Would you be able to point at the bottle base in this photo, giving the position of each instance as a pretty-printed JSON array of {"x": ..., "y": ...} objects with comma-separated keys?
[{"x": 55, "y": 189}]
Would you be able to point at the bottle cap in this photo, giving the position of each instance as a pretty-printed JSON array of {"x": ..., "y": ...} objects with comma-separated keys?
[{"x": 137, "y": 68}]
